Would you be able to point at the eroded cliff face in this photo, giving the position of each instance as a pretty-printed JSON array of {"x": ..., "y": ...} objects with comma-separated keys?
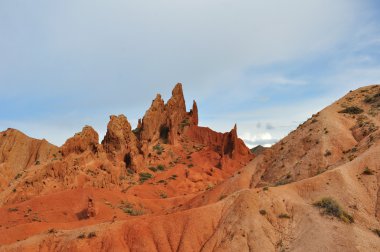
[{"x": 18, "y": 152}]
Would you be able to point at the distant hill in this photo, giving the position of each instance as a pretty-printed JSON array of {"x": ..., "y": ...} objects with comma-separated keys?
[{"x": 257, "y": 150}]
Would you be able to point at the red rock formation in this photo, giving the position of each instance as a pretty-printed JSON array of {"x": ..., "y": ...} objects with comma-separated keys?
[
  {"x": 87, "y": 139},
  {"x": 120, "y": 143},
  {"x": 176, "y": 111},
  {"x": 154, "y": 118},
  {"x": 18, "y": 152},
  {"x": 194, "y": 114},
  {"x": 228, "y": 145},
  {"x": 164, "y": 120}
]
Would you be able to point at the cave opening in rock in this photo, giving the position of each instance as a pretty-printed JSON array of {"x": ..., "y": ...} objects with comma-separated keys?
[
  {"x": 128, "y": 160},
  {"x": 164, "y": 133}
]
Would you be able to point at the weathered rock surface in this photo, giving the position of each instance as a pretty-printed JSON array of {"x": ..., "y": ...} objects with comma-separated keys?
[
  {"x": 18, "y": 152},
  {"x": 120, "y": 143},
  {"x": 87, "y": 139}
]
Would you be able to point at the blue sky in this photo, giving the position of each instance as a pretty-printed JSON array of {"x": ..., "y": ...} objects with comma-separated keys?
[{"x": 266, "y": 66}]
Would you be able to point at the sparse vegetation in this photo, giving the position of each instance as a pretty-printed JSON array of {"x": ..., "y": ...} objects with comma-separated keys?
[
  {"x": 330, "y": 207},
  {"x": 184, "y": 123},
  {"x": 144, "y": 176},
  {"x": 163, "y": 195},
  {"x": 160, "y": 167},
  {"x": 81, "y": 236},
  {"x": 372, "y": 99},
  {"x": 153, "y": 169},
  {"x": 353, "y": 110},
  {"x": 284, "y": 216},
  {"x": 128, "y": 208},
  {"x": 284, "y": 181},
  {"x": 91, "y": 235},
  {"x": 367, "y": 171},
  {"x": 18, "y": 176},
  {"x": 173, "y": 177},
  {"x": 52, "y": 231},
  {"x": 158, "y": 148}
]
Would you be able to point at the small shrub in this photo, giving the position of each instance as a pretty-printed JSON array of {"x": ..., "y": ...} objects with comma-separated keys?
[
  {"x": 284, "y": 216},
  {"x": 354, "y": 110},
  {"x": 144, "y": 176},
  {"x": 18, "y": 176},
  {"x": 158, "y": 148},
  {"x": 160, "y": 167},
  {"x": 266, "y": 188},
  {"x": 190, "y": 165},
  {"x": 263, "y": 212},
  {"x": 367, "y": 171},
  {"x": 128, "y": 208},
  {"x": 91, "y": 235},
  {"x": 13, "y": 209},
  {"x": 332, "y": 208},
  {"x": 283, "y": 182},
  {"x": 372, "y": 99},
  {"x": 37, "y": 162},
  {"x": 173, "y": 177},
  {"x": 153, "y": 169},
  {"x": 52, "y": 231},
  {"x": 81, "y": 236},
  {"x": 130, "y": 171},
  {"x": 163, "y": 195}
]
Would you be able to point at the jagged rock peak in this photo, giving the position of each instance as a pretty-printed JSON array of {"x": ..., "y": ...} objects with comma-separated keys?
[
  {"x": 153, "y": 119},
  {"x": 87, "y": 139},
  {"x": 177, "y": 101},
  {"x": 194, "y": 113}
]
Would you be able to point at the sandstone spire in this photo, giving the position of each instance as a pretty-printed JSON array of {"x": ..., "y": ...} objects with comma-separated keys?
[
  {"x": 194, "y": 113},
  {"x": 120, "y": 143}
]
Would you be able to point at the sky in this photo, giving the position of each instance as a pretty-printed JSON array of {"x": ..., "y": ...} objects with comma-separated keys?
[{"x": 265, "y": 65}]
